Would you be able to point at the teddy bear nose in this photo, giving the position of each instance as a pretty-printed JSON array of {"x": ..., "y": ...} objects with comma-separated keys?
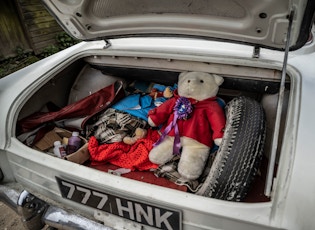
[{"x": 188, "y": 81}]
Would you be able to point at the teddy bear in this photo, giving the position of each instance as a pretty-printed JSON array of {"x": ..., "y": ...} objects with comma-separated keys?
[
  {"x": 192, "y": 120},
  {"x": 166, "y": 93}
]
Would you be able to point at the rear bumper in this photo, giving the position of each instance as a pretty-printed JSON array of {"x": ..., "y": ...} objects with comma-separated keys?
[{"x": 36, "y": 213}]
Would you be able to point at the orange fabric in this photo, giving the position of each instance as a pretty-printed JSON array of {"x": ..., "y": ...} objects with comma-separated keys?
[{"x": 134, "y": 157}]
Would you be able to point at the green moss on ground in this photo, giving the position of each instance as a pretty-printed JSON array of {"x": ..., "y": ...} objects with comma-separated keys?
[{"x": 24, "y": 58}]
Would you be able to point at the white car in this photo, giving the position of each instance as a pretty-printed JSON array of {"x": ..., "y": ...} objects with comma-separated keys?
[{"x": 262, "y": 176}]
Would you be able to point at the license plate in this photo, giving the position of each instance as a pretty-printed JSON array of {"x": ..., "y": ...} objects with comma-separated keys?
[{"x": 143, "y": 213}]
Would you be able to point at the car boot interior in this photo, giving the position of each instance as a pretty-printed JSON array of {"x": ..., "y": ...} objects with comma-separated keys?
[{"x": 89, "y": 74}]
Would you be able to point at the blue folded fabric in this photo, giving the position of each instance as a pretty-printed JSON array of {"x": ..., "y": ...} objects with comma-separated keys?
[
  {"x": 136, "y": 105},
  {"x": 139, "y": 105}
]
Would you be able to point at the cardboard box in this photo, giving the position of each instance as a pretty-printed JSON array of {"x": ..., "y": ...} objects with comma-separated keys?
[
  {"x": 80, "y": 156},
  {"x": 46, "y": 143}
]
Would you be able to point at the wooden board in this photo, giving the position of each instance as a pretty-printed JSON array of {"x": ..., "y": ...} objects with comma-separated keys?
[
  {"x": 41, "y": 28},
  {"x": 11, "y": 31}
]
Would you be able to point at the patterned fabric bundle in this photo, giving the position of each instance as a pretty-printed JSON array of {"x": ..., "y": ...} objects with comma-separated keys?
[
  {"x": 169, "y": 171},
  {"x": 113, "y": 125}
]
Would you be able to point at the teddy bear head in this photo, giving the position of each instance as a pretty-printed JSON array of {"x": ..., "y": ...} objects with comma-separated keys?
[{"x": 198, "y": 85}]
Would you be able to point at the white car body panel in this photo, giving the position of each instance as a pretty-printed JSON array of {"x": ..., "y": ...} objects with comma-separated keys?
[
  {"x": 151, "y": 35},
  {"x": 291, "y": 205},
  {"x": 299, "y": 181}
]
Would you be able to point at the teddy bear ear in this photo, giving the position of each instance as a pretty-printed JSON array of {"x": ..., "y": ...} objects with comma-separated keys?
[
  {"x": 218, "y": 79},
  {"x": 182, "y": 74}
]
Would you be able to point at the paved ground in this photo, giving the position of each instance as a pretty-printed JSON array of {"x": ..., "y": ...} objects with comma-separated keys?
[{"x": 9, "y": 220}]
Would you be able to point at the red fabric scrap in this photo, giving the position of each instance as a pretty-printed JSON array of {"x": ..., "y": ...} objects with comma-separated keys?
[{"x": 134, "y": 157}]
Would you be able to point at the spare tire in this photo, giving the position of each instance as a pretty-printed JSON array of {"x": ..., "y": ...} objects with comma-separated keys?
[{"x": 240, "y": 153}]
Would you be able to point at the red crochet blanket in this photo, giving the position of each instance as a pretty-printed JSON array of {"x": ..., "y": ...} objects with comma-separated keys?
[{"x": 134, "y": 157}]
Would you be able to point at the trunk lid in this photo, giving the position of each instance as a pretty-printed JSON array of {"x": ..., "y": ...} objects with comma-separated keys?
[{"x": 262, "y": 23}]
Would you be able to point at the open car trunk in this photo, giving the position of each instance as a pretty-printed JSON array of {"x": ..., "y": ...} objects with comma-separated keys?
[{"x": 87, "y": 75}]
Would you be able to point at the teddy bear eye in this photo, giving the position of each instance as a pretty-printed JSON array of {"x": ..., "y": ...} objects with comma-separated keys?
[{"x": 201, "y": 81}]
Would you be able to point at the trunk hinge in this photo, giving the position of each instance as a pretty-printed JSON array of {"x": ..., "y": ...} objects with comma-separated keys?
[
  {"x": 271, "y": 163},
  {"x": 256, "y": 52}
]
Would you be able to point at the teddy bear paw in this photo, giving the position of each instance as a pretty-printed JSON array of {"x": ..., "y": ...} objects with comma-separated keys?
[{"x": 139, "y": 133}]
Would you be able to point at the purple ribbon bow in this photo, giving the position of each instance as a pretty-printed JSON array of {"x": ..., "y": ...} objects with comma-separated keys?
[{"x": 183, "y": 109}]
